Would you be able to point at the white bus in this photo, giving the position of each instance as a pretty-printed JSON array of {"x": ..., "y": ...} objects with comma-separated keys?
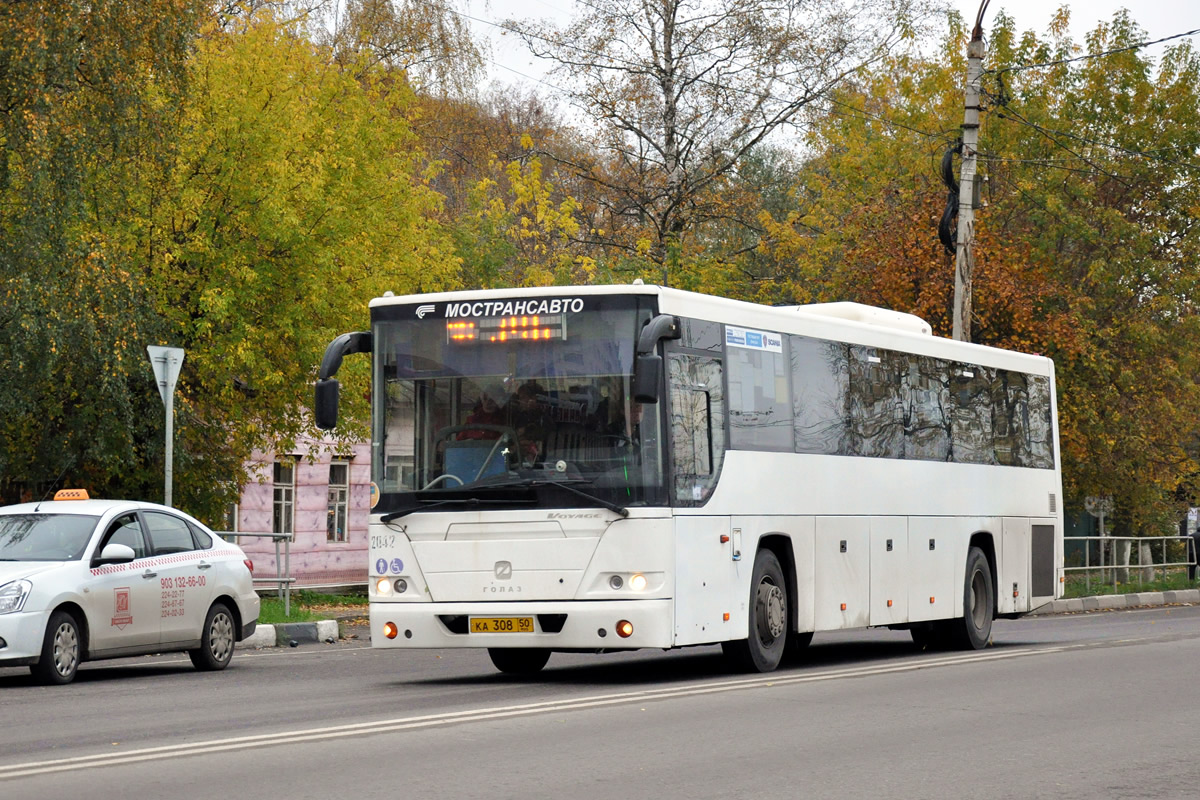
[{"x": 604, "y": 468}]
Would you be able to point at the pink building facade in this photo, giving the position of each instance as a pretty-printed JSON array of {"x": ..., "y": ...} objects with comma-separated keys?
[{"x": 318, "y": 495}]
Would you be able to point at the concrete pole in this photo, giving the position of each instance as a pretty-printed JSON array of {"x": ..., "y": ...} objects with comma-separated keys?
[{"x": 964, "y": 262}]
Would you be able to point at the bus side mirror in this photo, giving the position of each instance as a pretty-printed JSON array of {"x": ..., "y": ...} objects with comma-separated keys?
[
  {"x": 325, "y": 407},
  {"x": 647, "y": 376}
]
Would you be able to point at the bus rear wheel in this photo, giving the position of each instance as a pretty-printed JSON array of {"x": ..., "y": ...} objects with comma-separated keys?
[
  {"x": 974, "y": 630},
  {"x": 519, "y": 661},
  {"x": 763, "y": 649}
]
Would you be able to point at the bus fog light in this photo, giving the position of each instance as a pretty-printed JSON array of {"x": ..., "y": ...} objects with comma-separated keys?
[
  {"x": 383, "y": 586},
  {"x": 624, "y": 629},
  {"x": 390, "y": 630},
  {"x": 616, "y": 581},
  {"x": 637, "y": 582},
  {"x": 401, "y": 585}
]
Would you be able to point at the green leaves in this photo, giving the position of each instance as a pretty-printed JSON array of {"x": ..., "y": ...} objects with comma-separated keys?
[
  {"x": 1085, "y": 251},
  {"x": 231, "y": 190}
]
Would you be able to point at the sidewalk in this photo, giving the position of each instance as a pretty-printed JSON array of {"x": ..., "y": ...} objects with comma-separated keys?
[
  {"x": 1106, "y": 602},
  {"x": 291, "y": 634}
]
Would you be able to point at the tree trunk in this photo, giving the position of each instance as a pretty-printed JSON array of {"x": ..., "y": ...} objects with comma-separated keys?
[
  {"x": 1121, "y": 553},
  {"x": 1146, "y": 560}
]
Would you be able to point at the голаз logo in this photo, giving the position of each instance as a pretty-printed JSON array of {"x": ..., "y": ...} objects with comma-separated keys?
[
  {"x": 503, "y": 570},
  {"x": 423, "y": 310}
]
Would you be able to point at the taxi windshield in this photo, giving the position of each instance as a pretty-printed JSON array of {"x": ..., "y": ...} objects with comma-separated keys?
[{"x": 44, "y": 537}]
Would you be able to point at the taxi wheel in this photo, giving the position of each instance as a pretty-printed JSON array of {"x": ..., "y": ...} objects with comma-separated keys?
[
  {"x": 60, "y": 651},
  {"x": 216, "y": 643}
]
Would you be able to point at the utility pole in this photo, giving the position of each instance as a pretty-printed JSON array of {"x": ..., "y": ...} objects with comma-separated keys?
[{"x": 964, "y": 261}]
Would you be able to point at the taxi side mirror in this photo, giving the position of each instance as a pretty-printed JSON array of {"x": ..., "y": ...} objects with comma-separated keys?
[{"x": 114, "y": 553}]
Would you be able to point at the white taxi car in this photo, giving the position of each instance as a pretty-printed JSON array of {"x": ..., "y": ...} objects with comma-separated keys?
[{"x": 84, "y": 579}]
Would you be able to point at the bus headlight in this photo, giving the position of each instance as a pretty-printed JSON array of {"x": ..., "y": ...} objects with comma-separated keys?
[
  {"x": 616, "y": 581},
  {"x": 383, "y": 586},
  {"x": 637, "y": 582}
]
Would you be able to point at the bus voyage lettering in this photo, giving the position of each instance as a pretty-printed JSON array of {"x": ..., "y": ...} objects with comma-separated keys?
[{"x": 510, "y": 308}]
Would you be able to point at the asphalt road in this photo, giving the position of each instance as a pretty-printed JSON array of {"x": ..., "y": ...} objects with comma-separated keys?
[{"x": 1077, "y": 706}]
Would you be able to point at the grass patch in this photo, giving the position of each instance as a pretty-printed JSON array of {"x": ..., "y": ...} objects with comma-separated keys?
[
  {"x": 1100, "y": 582},
  {"x": 307, "y": 606}
]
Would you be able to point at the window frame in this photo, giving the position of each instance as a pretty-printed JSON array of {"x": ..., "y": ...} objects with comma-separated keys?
[
  {"x": 288, "y": 503},
  {"x": 332, "y": 505}
]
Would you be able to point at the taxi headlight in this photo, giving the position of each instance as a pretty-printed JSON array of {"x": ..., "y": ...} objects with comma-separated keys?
[{"x": 12, "y": 596}]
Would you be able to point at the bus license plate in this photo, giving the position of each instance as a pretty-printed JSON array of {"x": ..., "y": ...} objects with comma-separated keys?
[{"x": 501, "y": 624}]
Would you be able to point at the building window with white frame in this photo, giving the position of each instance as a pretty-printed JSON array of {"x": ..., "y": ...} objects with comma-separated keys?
[
  {"x": 339, "y": 492},
  {"x": 285, "y": 495}
]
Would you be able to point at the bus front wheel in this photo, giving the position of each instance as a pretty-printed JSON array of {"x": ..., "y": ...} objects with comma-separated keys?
[
  {"x": 974, "y": 630},
  {"x": 763, "y": 649},
  {"x": 519, "y": 661}
]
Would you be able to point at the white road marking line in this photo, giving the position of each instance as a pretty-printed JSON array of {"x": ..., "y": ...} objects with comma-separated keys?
[{"x": 500, "y": 712}]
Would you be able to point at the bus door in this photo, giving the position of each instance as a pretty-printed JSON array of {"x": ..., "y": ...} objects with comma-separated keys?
[{"x": 707, "y": 601}]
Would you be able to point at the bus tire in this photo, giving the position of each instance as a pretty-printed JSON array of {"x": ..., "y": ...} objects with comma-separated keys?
[
  {"x": 973, "y": 631},
  {"x": 519, "y": 661},
  {"x": 928, "y": 635},
  {"x": 763, "y": 649},
  {"x": 797, "y": 644}
]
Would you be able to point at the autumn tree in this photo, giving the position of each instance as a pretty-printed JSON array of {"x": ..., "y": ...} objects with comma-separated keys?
[
  {"x": 1086, "y": 250},
  {"x": 88, "y": 94},
  {"x": 425, "y": 39},
  {"x": 680, "y": 92},
  {"x": 297, "y": 194}
]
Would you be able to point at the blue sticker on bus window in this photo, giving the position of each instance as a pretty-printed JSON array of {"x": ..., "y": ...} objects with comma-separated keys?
[
  {"x": 381, "y": 567},
  {"x": 753, "y": 340},
  {"x": 397, "y": 565}
]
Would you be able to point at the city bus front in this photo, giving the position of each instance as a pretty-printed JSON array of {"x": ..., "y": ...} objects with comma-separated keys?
[{"x": 518, "y": 499}]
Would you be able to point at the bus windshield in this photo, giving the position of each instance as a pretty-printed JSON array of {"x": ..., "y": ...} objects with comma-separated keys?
[{"x": 481, "y": 406}]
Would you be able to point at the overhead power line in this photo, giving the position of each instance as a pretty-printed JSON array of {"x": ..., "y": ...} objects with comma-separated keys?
[
  {"x": 1051, "y": 134},
  {"x": 1137, "y": 46}
]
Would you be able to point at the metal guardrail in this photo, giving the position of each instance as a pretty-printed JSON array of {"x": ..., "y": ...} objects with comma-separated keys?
[
  {"x": 283, "y": 579},
  {"x": 1189, "y": 549}
]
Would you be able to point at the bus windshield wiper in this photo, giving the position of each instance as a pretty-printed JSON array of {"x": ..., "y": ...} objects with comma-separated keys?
[
  {"x": 462, "y": 501},
  {"x": 614, "y": 507}
]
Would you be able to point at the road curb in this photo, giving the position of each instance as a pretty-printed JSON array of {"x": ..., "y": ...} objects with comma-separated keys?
[
  {"x": 283, "y": 635},
  {"x": 1112, "y": 601}
]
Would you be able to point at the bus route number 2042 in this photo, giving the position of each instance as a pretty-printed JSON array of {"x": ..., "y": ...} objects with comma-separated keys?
[{"x": 383, "y": 541}]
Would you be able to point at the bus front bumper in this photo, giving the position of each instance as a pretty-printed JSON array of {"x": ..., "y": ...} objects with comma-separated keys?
[{"x": 577, "y": 625}]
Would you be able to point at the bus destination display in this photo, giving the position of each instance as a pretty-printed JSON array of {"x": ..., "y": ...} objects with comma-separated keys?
[{"x": 506, "y": 329}]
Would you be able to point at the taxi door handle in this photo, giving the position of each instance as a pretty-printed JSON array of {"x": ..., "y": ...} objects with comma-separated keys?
[
  {"x": 149, "y": 574},
  {"x": 203, "y": 565}
]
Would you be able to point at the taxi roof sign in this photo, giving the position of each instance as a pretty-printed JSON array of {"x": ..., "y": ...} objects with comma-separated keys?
[{"x": 71, "y": 494}]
